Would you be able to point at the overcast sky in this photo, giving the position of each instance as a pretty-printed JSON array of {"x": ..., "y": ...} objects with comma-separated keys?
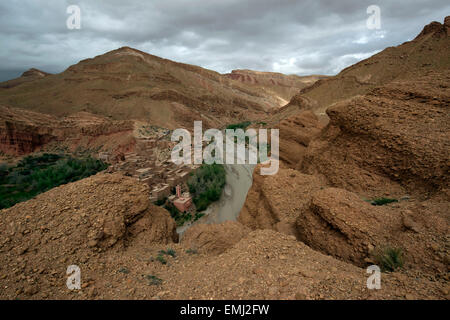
[{"x": 293, "y": 37}]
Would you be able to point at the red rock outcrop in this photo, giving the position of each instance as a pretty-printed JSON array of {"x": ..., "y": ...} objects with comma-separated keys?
[
  {"x": 73, "y": 223},
  {"x": 23, "y": 132},
  {"x": 394, "y": 139},
  {"x": 296, "y": 132},
  {"x": 340, "y": 223},
  {"x": 274, "y": 202}
]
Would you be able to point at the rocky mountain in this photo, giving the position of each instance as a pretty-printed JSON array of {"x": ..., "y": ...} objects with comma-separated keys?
[
  {"x": 422, "y": 64},
  {"x": 28, "y": 76},
  {"x": 427, "y": 52},
  {"x": 129, "y": 84},
  {"x": 279, "y": 85},
  {"x": 390, "y": 144}
]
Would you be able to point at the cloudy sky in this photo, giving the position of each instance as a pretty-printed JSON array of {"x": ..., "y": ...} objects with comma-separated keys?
[{"x": 293, "y": 37}]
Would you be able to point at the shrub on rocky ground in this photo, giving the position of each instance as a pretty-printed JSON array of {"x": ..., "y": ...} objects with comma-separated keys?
[
  {"x": 389, "y": 259},
  {"x": 382, "y": 201}
]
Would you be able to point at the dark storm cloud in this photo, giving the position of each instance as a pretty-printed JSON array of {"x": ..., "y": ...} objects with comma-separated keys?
[{"x": 302, "y": 37}]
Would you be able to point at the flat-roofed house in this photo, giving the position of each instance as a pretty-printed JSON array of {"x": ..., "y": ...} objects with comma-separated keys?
[{"x": 182, "y": 202}]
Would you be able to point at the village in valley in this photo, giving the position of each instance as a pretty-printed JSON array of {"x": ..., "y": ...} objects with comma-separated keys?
[{"x": 150, "y": 163}]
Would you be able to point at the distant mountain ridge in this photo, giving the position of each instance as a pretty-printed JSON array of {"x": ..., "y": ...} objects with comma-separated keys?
[
  {"x": 29, "y": 75},
  {"x": 126, "y": 84},
  {"x": 277, "y": 84}
]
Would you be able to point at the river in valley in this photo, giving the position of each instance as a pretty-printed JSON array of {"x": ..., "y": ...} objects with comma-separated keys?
[{"x": 239, "y": 179}]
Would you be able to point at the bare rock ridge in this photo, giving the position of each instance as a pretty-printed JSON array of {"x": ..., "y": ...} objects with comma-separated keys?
[
  {"x": 278, "y": 84},
  {"x": 23, "y": 132},
  {"x": 397, "y": 132},
  {"x": 128, "y": 84},
  {"x": 33, "y": 72},
  {"x": 436, "y": 28},
  {"x": 340, "y": 223},
  {"x": 274, "y": 202},
  {"x": 392, "y": 142},
  {"x": 28, "y": 76},
  {"x": 297, "y": 131},
  {"x": 428, "y": 51}
]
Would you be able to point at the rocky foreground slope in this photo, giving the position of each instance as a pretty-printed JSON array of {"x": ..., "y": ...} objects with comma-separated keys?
[
  {"x": 392, "y": 143},
  {"x": 105, "y": 225},
  {"x": 76, "y": 224}
]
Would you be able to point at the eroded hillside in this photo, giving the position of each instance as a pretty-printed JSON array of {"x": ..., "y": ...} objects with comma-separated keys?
[
  {"x": 377, "y": 176},
  {"x": 105, "y": 225},
  {"x": 23, "y": 131},
  {"x": 129, "y": 84},
  {"x": 427, "y": 52}
]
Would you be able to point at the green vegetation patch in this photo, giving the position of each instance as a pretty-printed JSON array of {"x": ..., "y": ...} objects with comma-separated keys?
[
  {"x": 169, "y": 252},
  {"x": 198, "y": 215},
  {"x": 39, "y": 173},
  {"x": 124, "y": 270},
  {"x": 153, "y": 280},
  {"x": 206, "y": 185},
  {"x": 160, "y": 202},
  {"x": 389, "y": 259},
  {"x": 161, "y": 259},
  {"x": 240, "y": 125},
  {"x": 382, "y": 201}
]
